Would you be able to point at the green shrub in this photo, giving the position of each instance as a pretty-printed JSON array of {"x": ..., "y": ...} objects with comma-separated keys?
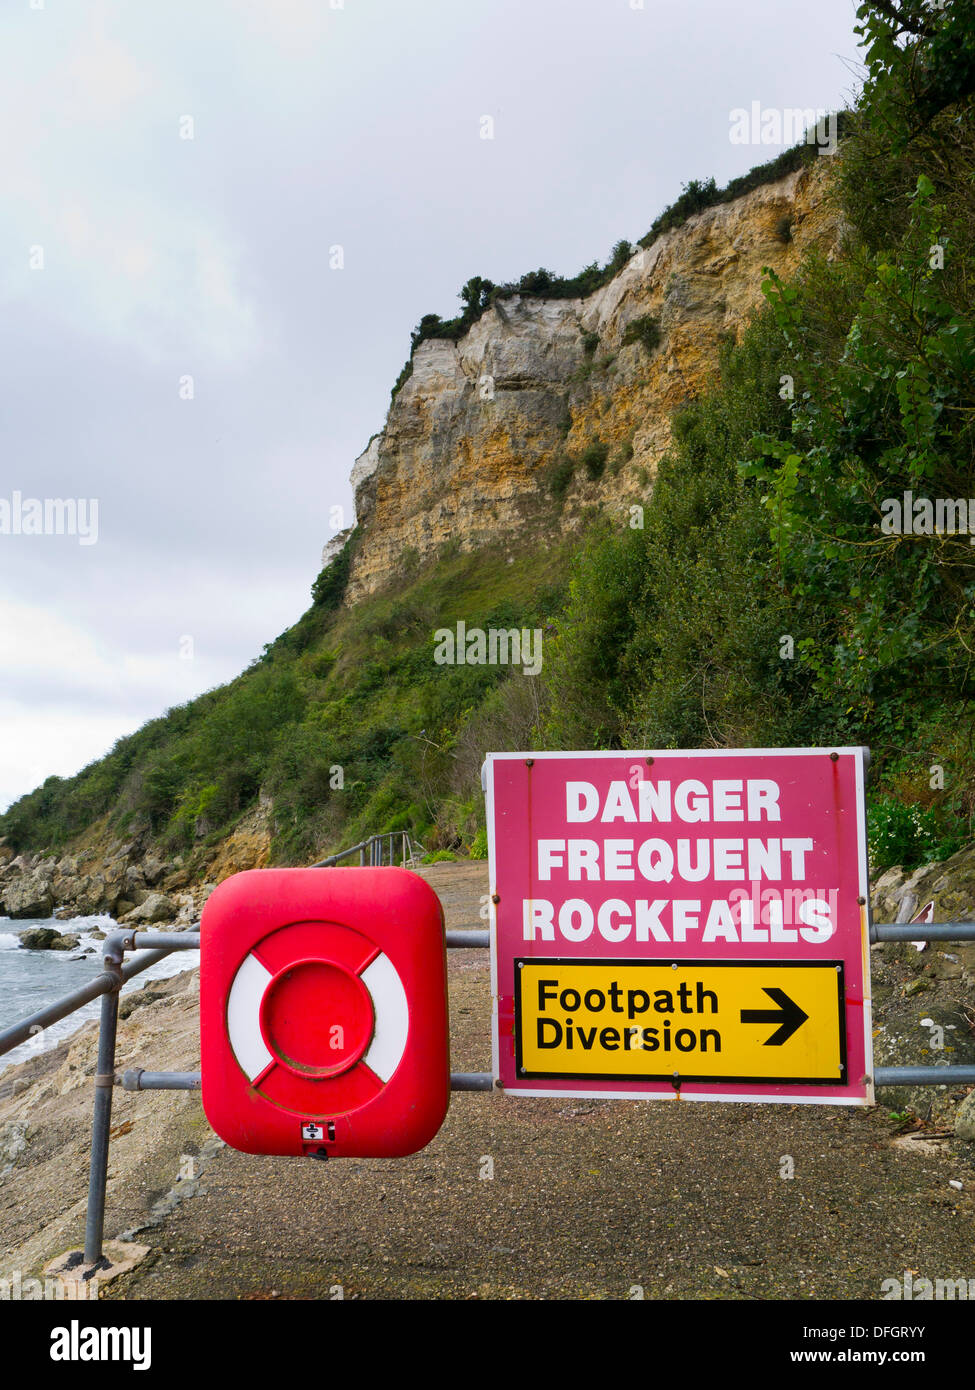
[
  {"x": 594, "y": 458},
  {"x": 559, "y": 477},
  {"x": 906, "y": 835},
  {"x": 644, "y": 330},
  {"x": 621, "y": 459},
  {"x": 329, "y": 588},
  {"x": 403, "y": 378},
  {"x": 590, "y": 342}
]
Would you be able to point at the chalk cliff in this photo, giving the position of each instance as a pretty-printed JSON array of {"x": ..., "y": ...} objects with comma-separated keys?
[{"x": 473, "y": 436}]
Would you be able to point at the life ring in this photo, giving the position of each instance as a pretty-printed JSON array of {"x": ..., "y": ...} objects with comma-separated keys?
[
  {"x": 317, "y": 1018},
  {"x": 323, "y": 1012}
]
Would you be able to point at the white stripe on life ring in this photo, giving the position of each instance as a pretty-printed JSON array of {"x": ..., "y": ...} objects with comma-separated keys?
[
  {"x": 392, "y": 1017},
  {"x": 390, "y": 1009},
  {"x": 243, "y": 1012}
]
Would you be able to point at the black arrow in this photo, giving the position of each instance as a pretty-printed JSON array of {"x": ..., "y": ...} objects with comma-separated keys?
[{"x": 788, "y": 1015}]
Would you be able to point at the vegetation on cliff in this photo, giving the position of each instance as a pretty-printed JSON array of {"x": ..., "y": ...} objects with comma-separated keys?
[
  {"x": 768, "y": 599},
  {"x": 479, "y": 294}
]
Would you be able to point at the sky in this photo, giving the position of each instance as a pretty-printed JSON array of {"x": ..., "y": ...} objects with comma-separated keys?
[{"x": 222, "y": 218}]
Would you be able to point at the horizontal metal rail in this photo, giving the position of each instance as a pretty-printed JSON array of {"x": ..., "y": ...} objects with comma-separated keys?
[
  {"x": 922, "y": 931},
  {"x": 924, "y": 1076},
  {"x": 166, "y": 941},
  {"x": 138, "y": 1080},
  {"x": 161, "y": 943},
  {"x": 463, "y": 940}
]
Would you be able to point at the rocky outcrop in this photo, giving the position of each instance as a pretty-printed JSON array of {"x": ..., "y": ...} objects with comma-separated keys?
[
  {"x": 965, "y": 1119},
  {"x": 32, "y": 886},
  {"x": 28, "y": 895},
  {"x": 46, "y": 939},
  {"x": 156, "y": 907},
  {"x": 38, "y": 938},
  {"x": 899, "y": 894},
  {"x": 472, "y": 432},
  {"x": 128, "y": 880}
]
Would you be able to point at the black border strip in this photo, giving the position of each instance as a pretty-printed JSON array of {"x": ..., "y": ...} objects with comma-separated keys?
[{"x": 682, "y": 1078}]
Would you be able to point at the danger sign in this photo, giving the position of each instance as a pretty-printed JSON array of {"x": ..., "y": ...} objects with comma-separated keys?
[{"x": 681, "y": 923}]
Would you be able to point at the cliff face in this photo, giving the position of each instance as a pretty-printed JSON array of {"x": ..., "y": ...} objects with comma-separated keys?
[{"x": 472, "y": 434}]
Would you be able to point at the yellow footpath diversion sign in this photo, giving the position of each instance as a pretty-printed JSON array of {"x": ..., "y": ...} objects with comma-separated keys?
[{"x": 768, "y": 1021}]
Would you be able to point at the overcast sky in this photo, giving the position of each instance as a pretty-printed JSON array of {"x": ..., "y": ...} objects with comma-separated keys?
[{"x": 174, "y": 341}]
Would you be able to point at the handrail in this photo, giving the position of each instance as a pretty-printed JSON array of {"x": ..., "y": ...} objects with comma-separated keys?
[
  {"x": 922, "y": 931},
  {"x": 378, "y": 857}
]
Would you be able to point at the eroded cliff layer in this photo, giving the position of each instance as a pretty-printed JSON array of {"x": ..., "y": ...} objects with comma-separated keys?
[{"x": 475, "y": 435}]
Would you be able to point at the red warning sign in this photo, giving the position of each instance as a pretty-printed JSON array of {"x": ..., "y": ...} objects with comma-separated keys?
[{"x": 686, "y": 923}]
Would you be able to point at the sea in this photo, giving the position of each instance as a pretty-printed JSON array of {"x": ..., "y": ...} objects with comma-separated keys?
[{"x": 30, "y": 980}]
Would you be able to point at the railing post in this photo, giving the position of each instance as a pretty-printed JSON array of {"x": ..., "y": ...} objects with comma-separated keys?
[{"x": 102, "y": 1122}]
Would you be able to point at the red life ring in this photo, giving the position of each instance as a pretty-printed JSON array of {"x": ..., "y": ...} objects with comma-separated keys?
[{"x": 323, "y": 1013}]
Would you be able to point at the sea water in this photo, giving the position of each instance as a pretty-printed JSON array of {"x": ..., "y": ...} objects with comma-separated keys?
[{"x": 30, "y": 980}]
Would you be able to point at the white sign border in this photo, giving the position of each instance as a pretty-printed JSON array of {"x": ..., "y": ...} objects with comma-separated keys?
[{"x": 861, "y": 758}]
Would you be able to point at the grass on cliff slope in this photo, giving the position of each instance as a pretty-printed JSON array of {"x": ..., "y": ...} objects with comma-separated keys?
[{"x": 346, "y": 722}]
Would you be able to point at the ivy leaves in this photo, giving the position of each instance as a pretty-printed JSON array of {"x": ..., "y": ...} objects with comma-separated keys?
[{"x": 891, "y": 413}]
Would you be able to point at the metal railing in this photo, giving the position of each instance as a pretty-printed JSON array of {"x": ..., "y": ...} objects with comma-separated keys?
[
  {"x": 378, "y": 850},
  {"x": 136, "y": 1079}
]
